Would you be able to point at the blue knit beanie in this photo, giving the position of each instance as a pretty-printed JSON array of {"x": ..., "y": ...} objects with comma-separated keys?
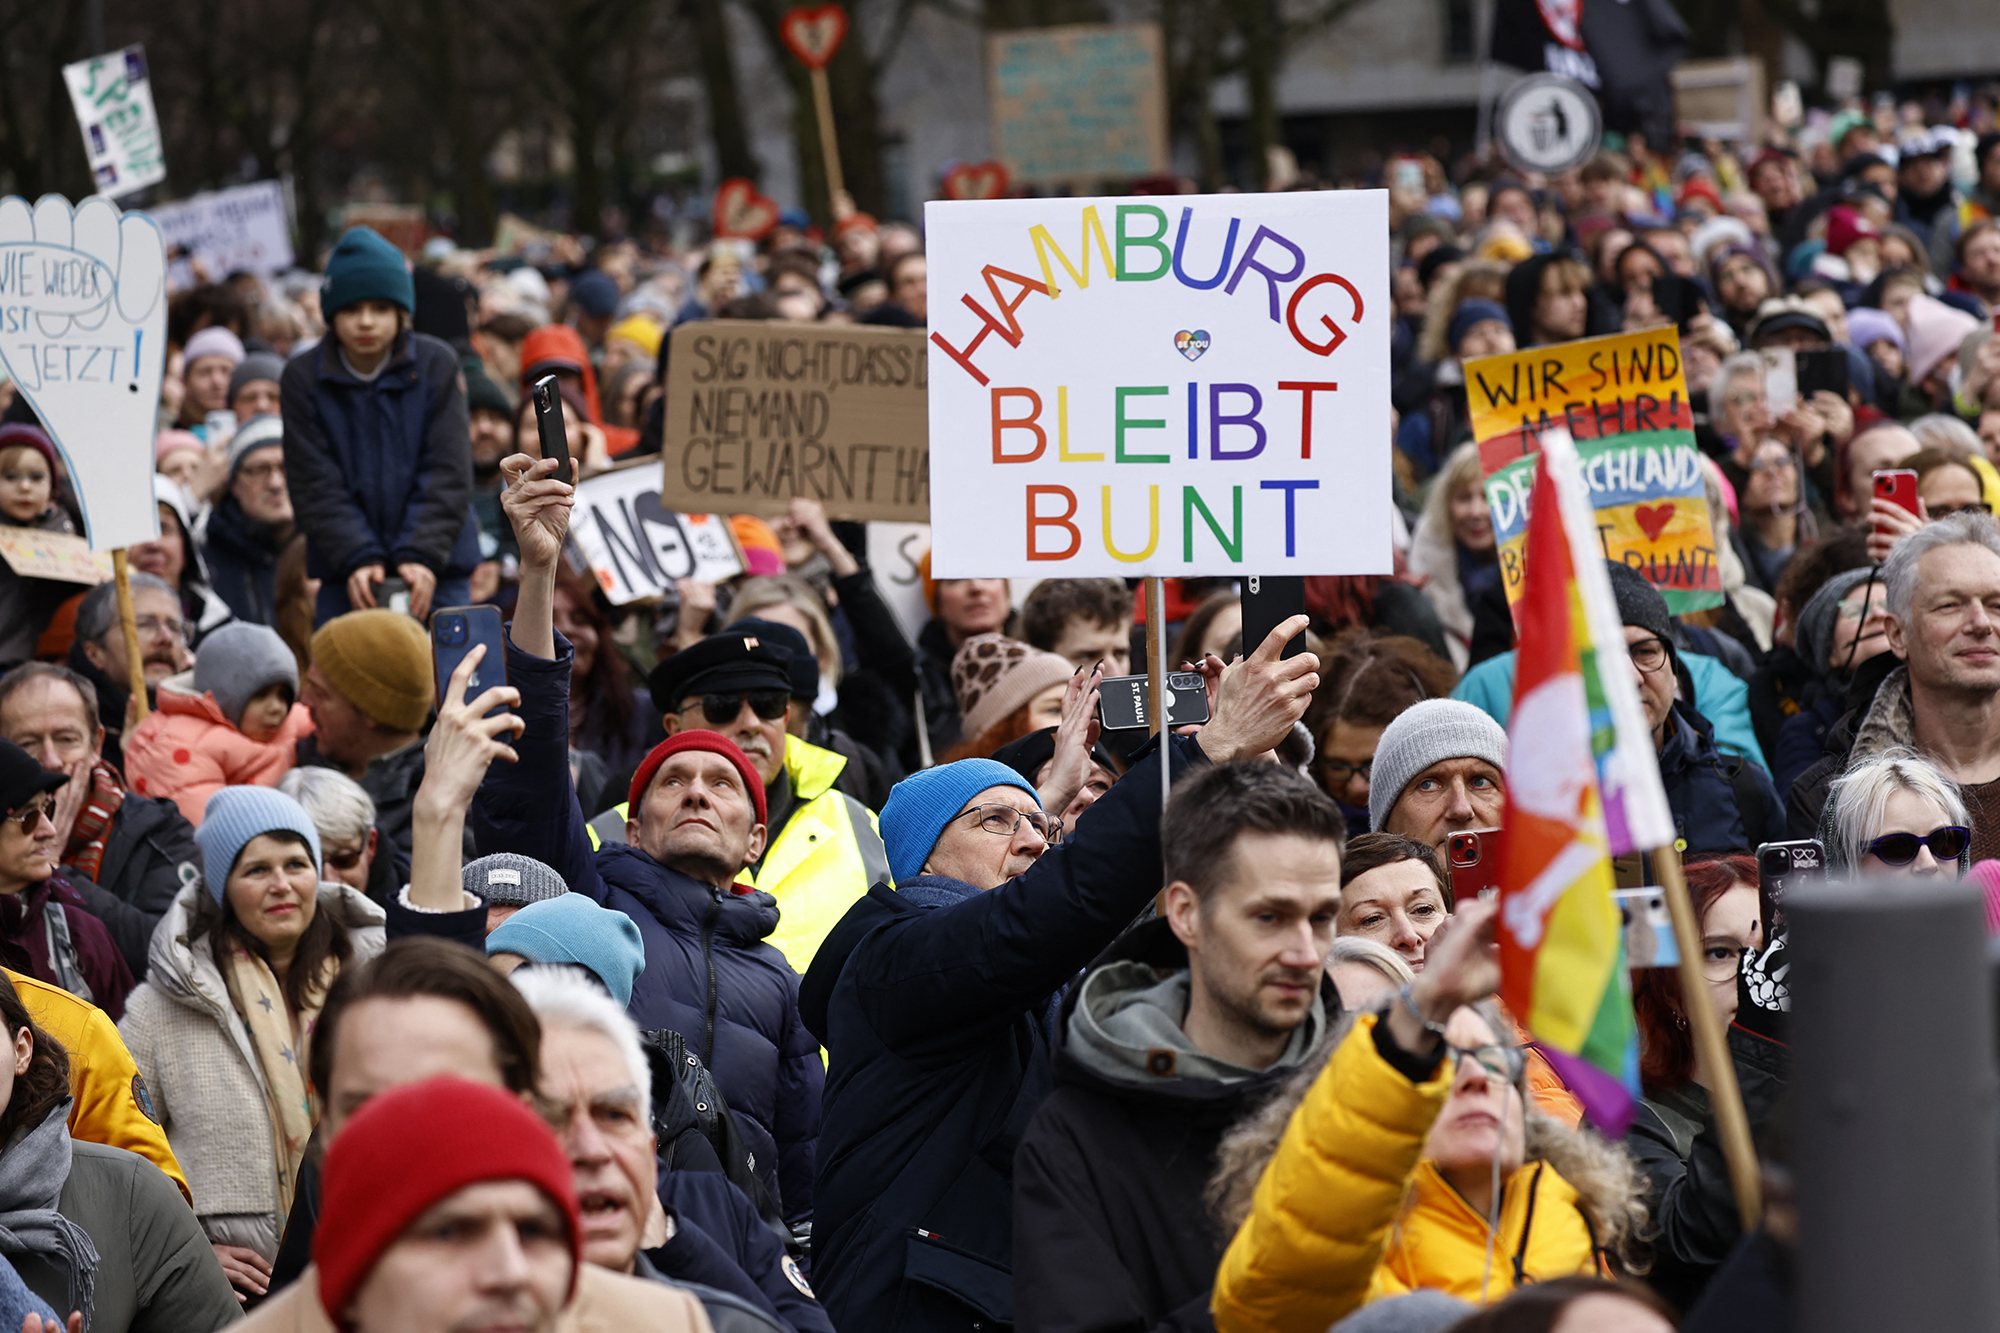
[
  {"x": 570, "y": 928},
  {"x": 1475, "y": 311},
  {"x": 234, "y": 816},
  {"x": 921, "y": 805},
  {"x": 365, "y": 267}
]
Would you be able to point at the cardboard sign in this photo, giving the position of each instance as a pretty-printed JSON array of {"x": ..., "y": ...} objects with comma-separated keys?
[
  {"x": 1082, "y": 103},
  {"x": 1194, "y": 386},
  {"x": 759, "y": 412},
  {"x": 402, "y": 225},
  {"x": 113, "y": 98},
  {"x": 1624, "y": 400},
  {"x": 246, "y": 228},
  {"x": 636, "y": 547},
  {"x": 53, "y": 555},
  {"x": 83, "y": 333}
]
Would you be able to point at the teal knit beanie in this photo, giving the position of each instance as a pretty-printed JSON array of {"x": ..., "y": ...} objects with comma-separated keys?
[
  {"x": 570, "y": 928},
  {"x": 365, "y": 267},
  {"x": 921, "y": 805}
]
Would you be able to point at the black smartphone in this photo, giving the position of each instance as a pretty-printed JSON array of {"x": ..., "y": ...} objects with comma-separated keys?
[
  {"x": 1782, "y": 867},
  {"x": 549, "y": 423},
  {"x": 1122, "y": 702},
  {"x": 394, "y": 593},
  {"x": 455, "y": 631},
  {"x": 1269, "y": 602},
  {"x": 1472, "y": 859},
  {"x": 1821, "y": 370}
]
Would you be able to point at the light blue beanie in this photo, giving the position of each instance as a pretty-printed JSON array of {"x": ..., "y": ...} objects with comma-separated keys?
[
  {"x": 921, "y": 805},
  {"x": 234, "y": 816},
  {"x": 570, "y": 928}
]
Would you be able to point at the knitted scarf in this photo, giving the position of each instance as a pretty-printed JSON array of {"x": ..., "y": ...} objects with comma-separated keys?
[
  {"x": 33, "y": 1169},
  {"x": 93, "y": 822},
  {"x": 281, "y": 1054}
]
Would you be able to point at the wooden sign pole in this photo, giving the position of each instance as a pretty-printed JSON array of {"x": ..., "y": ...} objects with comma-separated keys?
[
  {"x": 135, "y": 664},
  {"x": 829, "y": 143},
  {"x": 1711, "y": 1045}
]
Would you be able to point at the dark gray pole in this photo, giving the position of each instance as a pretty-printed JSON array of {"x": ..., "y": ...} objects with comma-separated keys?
[{"x": 1895, "y": 1142}]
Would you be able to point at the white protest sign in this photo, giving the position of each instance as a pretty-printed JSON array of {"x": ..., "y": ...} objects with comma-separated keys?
[
  {"x": 895, "y": 552},
  {"x": 635, "y": 547},
  {"x": 121, "y": 132},
  {"x": 83, "y": 332},
  {"x": 241, "y": 229},
  {"x": 1196, "y": 386}
]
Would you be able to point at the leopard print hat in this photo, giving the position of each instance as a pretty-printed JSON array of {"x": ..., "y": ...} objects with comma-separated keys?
[{"x": 994, "y": 675}]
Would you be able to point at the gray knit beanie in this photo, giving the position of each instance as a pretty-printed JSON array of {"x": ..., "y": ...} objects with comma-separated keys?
[
  {"x": 239, "y": 661},
  {"x": 1423, "y": 734},
  {"x": 1421, "y": 1311},
  {"x": 1815, "y": 634},
  {"x": 507, "y": 880},
  {"x": 256, "y": 433},
  {"x": 1639, "y": 602}
]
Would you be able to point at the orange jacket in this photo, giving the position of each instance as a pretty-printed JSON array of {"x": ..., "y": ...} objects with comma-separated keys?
[
  {"x": 112, "y": 1106},
  {"x": 560, "y": 347},
  {"x": 187, "y": 750}
]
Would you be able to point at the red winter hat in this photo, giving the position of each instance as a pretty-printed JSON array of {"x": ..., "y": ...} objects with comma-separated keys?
[
  {"x": 412, "y": 1146},
  {"x": 713, "y": 741},
  {"x": 1844, "y": 227}
]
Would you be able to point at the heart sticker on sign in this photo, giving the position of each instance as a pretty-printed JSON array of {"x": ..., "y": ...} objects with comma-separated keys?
[
  {"x": 977, "y": 180},
  {"x": 1191, "y": 343},
  {"x": 1653, "y": 519},
  {"x": 814, "y": 33},
  {"x": 742, "y": 212}
]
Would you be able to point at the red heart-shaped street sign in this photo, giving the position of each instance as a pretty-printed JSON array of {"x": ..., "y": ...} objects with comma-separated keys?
[
  {"x": 742, "y": 212},
  {"x": 814, "y": 32},
  {"x": 976, "y": 180}
]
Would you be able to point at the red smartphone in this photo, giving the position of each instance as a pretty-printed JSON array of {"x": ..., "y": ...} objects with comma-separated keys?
[
  {"x": 1897, "y": 485},
  {"x": 1473, "y": 858}
]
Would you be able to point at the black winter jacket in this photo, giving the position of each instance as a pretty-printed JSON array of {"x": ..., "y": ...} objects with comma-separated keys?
[
  {"x": 723, "y": 1243},
  {"x": 380, "y": 471},
  {"x": 149, "y": 857},
  {"x": 935, "y": 1020},
  {"x": 1706, "y": 789},
  {"x": 242, "y": 559},
  {"x": 709, "y": 974},
  {"x": 1110, "y": 1230}
]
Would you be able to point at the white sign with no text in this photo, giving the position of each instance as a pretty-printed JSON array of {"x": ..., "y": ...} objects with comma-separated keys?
[
  {"x": 83, "y": 332},
  {"x": 113, "y": 98},
  {"x": 241, "y": 229}
]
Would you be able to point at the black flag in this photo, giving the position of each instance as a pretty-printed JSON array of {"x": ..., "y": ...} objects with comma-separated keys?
[{"x": 1622, "y": 50}]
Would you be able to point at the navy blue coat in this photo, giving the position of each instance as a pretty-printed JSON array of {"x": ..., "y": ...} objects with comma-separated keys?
[
  {"x": 722, "y": 1243},
  {"x": 935, "y": 1020},
  {"x": 709, "y": 975},
  {"x": 242, "y": 559},
  {"x": 380, "y": 471},
  {"x": 1699, "y": 791}
]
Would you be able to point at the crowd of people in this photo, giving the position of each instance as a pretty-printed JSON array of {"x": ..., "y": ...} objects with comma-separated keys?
[{"x": 745, "y": 962}]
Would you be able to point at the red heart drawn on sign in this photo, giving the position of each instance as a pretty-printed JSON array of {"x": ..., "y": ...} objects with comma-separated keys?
[
  {"x": 742, "y": 212},
  {"x": 1653, "y": 519},
  {"x": 814, "y": 33},
  {"x": 977, "y": 180}
]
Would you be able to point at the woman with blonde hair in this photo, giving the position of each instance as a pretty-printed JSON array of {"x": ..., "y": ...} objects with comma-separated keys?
[
  {"x": 1454, "y": 549},
  {"x": 1376, "y": 1174},
  {"x": 1896, "y": 816}
]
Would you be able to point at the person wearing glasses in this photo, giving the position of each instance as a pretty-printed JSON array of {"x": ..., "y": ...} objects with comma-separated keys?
[
  {"x": 46, "y": 929},
  {"x": 821, "y": 850},
  {"x": 97, "y": 653},
  {"x": 698, "y": 817},
  {"x": 252, "y": 522},
  {"x": 1775, "y": 518},
  {"x": 1895, "y": 816},
  {"x": 1371, "y": 1174},
  {"x": 1720, "y": 801},
  {"x": 1673, "y": 1135}
]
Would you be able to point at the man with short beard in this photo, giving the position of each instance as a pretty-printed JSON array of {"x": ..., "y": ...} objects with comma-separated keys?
[{"x": 1182, "y": 1026}]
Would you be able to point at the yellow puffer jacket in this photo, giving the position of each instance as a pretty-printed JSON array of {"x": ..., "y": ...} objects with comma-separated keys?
[
  {"x": 828, "y": 855},
  {"x": 1347, "y": 1212}
]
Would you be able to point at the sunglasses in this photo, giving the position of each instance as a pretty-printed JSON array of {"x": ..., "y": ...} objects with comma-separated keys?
[
  {"x": 769, "y": 705},
  {"x": 345, "y": 859},
  {"x": 31, "y": 814},
  {"x": 1947, "y": 843}
]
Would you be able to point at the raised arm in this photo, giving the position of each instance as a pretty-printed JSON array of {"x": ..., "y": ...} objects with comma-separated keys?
[{"x": 463, "y": 745}]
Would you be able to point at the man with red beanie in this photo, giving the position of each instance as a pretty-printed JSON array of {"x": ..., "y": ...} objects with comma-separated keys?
[
  {"x": 697, "y": 817},
  {"x": 448, "y": 1205}
]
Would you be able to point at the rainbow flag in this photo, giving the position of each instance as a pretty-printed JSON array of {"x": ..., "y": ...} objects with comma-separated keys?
[{"x": 1583, "y": 785}]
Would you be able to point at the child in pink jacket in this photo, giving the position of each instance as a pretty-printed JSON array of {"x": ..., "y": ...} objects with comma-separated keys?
[{"x": 231, "y": 722}]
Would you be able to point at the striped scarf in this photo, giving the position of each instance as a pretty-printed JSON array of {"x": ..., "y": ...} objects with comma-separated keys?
[{"x": 93, "y": 823}]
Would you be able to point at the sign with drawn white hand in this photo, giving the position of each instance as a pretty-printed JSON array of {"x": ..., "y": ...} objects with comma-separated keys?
[{"x": 83, "y": 333}]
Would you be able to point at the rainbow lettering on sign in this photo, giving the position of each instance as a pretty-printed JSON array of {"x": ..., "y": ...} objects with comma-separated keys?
[
  {"x": 1003, "y": 337},
  {"x": 1624, "y": 401}
]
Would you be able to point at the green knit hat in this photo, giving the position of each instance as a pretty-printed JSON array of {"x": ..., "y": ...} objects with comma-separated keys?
[{"x": 365, "y": 267}]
